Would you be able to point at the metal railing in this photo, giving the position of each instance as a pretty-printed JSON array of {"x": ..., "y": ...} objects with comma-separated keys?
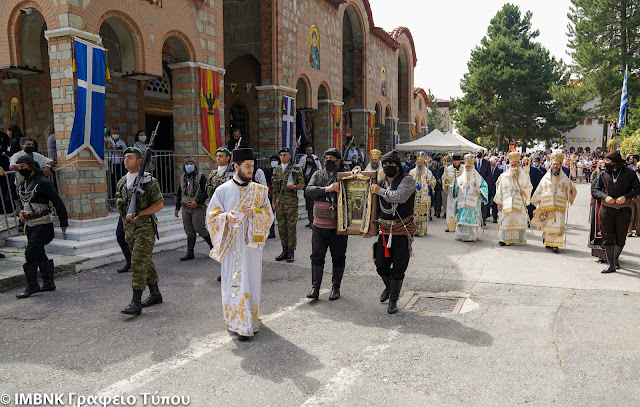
[{"x": 161, "y": 167}]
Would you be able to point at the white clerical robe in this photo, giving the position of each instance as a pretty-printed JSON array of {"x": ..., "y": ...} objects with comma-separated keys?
[
  {"x": 450, "y": 174},
  {"x": 238, "y": 247},
  {"x": 553, "y": 197},
  {"x": 513, "y": 218},
  {"x": 425, "y": 184},
  {"x": 471, "y": 192}
]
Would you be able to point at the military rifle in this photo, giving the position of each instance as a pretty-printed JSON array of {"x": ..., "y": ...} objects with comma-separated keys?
[{"x": 134, "y": 205}]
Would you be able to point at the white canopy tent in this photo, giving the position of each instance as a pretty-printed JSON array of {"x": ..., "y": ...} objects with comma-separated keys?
[
  {"x": 468, "y": 142},
  {"x": 436, "y": 141}
]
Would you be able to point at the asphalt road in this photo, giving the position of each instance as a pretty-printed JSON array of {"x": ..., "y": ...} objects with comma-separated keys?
[{"x": 537, "y": 328}]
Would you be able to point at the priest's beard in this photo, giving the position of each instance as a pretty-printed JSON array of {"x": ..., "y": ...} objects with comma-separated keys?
[
  {"x": 468, "y": 176},
  {"x": 514, "y": 175},
  {"x": 419, "y": 171},
  {"x": 243, "y": 177},
  {"x": 374, "y": 166},
  {"x": 555, "y": 173}
]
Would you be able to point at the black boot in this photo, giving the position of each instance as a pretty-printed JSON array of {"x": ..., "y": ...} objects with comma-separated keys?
[
  {"x": 310, "y": 216},
  {"x": 290, "y": 256},
  {"x": 46, "y": 271},
  {"x": 208, "y": 240},
  {"x": 31, "y": 272},
  {"x": 284, "y": 254},
  {"x": 272, "y": 231},
  {"x": 154, "y": 296},
  {"x": 191, "y": 244},
  {"x": 135, "y": 308},
  {"x": 127, "y": 257},
  {"x": 316, "y": 281},
  {"x": 394, "y": 295},
  {"x": 338, "y": 272},
  {"x": 385, "y": 293},
  {"x": 611, "y": 260},
  {"x": 616, "y": 256}
]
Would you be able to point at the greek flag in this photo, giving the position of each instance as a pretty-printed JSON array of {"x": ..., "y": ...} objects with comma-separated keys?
[
  {"x": 396, "y": 135},
  {"x": 288, "y": 121},
  {"x": 624, "y": 101},
  {"x": 88, "y": 125}
]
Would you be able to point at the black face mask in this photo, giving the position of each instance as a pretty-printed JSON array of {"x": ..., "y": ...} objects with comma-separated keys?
[
  {"x": 310, "y": 163},
  {"x": 25, "y": 172},
  {"x": 331, "y": 165},
  {"x": 30, "y": 149},
  {"x": 608, "y": 167},
  {"x": 390, "y": 171}
]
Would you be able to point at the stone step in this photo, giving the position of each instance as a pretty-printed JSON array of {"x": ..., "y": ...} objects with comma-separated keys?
[
  {"x": 112, "y": 217},
  {"x": 88, "y": 233},
  {"x": 90, "y": 246}
]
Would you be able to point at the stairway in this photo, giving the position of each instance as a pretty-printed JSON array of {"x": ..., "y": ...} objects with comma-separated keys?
[{"x": 94, "y": 242}]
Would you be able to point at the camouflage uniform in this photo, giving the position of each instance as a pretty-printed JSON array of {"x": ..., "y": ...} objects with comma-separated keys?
[
  {"x": 286, "y": 204},
  {"x": 215, "y": 180},
  {"x": 141, "y": 233}
]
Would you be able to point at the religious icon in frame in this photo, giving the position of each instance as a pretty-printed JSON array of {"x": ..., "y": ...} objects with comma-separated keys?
[
  {"x": 314, "y": 47},
  {"x": 357, "y": 207}
]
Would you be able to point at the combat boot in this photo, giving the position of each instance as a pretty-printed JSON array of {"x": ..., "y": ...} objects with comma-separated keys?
[
  {"x": 394, "y": 295},
  {"x": 46, "y": 271},
  {"x": 338, "y": 272},
  {"x": 316, "y": 281},
  {"x": 208, "y": 240},
  {"x": 290, "y": 256},
  {"x": 31, "y": 272},
  {"x": 284, "y": 254},
  {"x": 154, "y": 296},
  {"x": 127, "y": 256},
  {"x": 611, "y": 260},
  {"x": 135, "y": 308},
  {"x": 191, "y": 244},
  {"x": 616, "y": 256},
  {"x": 385, "y": 293}
]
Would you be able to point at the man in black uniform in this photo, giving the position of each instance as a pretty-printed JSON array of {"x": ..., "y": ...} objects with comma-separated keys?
[
  {"x": 323, "y": 189},
  {"x": 615, "y": 187},
  {"x": 437, "y": 170},
  {"x": 35, "y": 193},
  {"x": 396, "y": 193},
  {"x": 191, "y": 197}
]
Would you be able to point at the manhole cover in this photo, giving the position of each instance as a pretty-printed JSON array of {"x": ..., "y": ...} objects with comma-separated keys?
[{"x": 439, "y": 305}]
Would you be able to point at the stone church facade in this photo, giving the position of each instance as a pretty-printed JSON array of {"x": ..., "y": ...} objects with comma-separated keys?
[{"x": 326, "y": 54}]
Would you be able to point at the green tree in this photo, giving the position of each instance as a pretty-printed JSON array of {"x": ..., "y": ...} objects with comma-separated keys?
[
  {"x": 434, "y": 120},
  {"x": 507, "y": 89},
  {"x": 604, "y": 36}
]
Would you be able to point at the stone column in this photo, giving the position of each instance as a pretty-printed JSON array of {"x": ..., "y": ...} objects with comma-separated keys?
[
  {"x": 360, "y": 125},
  {"x": 323, "y": 139},
  {"x": 187, "y": 130},
  {"x": 270, "y": 101},
  {"x": 404, "y": 130},
  {"x": 82, "y": 179}
]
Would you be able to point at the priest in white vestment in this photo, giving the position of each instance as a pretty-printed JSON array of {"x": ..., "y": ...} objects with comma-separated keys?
[
  {"x": 451, "y": 173},
  {"x": 470, "y": 191},
  {"x": 374, "y": 165},
  {"x": 513, "y": 193},
  {"x": 425, "y": 184},
  {"x": 553, "y": 196},
  {"x": 238, "y": 218}
]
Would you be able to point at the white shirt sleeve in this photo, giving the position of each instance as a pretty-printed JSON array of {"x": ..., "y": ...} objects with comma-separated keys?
[{"x": 260, "y": 177}]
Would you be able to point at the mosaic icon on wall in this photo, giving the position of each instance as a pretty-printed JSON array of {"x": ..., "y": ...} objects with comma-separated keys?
[
  {"x": 314, "y": 47},
  {"x": 383, "y": 82},
  {"x": 15, "y": 110}
]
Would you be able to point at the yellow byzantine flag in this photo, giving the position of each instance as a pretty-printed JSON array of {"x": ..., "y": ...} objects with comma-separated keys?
[{"x": 210, "y": 110}]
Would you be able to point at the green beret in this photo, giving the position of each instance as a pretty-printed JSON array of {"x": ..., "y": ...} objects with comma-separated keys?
[
  {"x": 224, "y": 150},
  {"x": 133, "y": 150},
  {"x": 284, "y": 150}
]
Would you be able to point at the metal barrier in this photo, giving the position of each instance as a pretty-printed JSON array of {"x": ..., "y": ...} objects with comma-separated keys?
[{"x": 161, "y": 167}]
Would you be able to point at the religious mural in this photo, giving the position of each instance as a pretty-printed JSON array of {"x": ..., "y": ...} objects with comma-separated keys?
[
  {"x": 383, "y": 82},
  {"x": 314, "y": 47}
]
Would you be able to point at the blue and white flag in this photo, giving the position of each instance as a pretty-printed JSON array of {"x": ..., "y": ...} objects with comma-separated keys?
[
  {"x": 288, "y": 122},
  {"x": 624, "y": 101},
  {"x": 396, "y": 135},
  {"x": 88, "y": 125}
]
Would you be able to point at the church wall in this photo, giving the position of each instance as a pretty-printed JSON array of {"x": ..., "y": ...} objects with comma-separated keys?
[{"x": 382, "y": 55}]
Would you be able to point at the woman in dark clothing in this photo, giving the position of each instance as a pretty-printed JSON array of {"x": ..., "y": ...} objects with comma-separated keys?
[
  {"x": 15, "y": 134},
  {"x": 310, "y": 167}
]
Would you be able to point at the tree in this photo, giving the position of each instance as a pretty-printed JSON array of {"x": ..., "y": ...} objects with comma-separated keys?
[
  {"x": 434, "y": 120},
  {"x": 507, "y": 89},
  {"x": 604, "y": 36}
]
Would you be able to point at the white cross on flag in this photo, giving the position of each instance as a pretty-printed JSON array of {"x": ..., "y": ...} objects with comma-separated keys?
[
  {"x": 88, "y": 125},
  {"x": 288, "y": 120}
]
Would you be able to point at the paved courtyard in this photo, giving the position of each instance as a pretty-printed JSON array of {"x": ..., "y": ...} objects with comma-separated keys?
[{"x": 535, "y": 328}]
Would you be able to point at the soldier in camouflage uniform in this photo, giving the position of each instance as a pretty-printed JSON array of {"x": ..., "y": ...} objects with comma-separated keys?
[
  {"x": 222, "y": 174},
  {"x": 140, "y": 231},
  {"x": 287, "y": 180}
]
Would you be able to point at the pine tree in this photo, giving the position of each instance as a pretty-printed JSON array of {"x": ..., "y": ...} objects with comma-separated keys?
[{"x": 507, "y": 89}]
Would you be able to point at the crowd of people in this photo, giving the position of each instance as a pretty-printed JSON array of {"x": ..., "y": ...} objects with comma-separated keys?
[{"x": 235, "y": 207}]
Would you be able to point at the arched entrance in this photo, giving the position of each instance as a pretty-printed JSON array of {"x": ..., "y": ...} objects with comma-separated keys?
[
  {"x": 118, "y": 41},
  {"x": 352, "y": 69},
  {"x": 238, "y": 118},
  {"x": 305, "y": 115},
  {"x": 403, "y": 85}
]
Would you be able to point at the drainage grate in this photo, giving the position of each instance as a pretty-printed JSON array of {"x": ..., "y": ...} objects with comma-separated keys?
[{"x": 439, "y": 305}]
